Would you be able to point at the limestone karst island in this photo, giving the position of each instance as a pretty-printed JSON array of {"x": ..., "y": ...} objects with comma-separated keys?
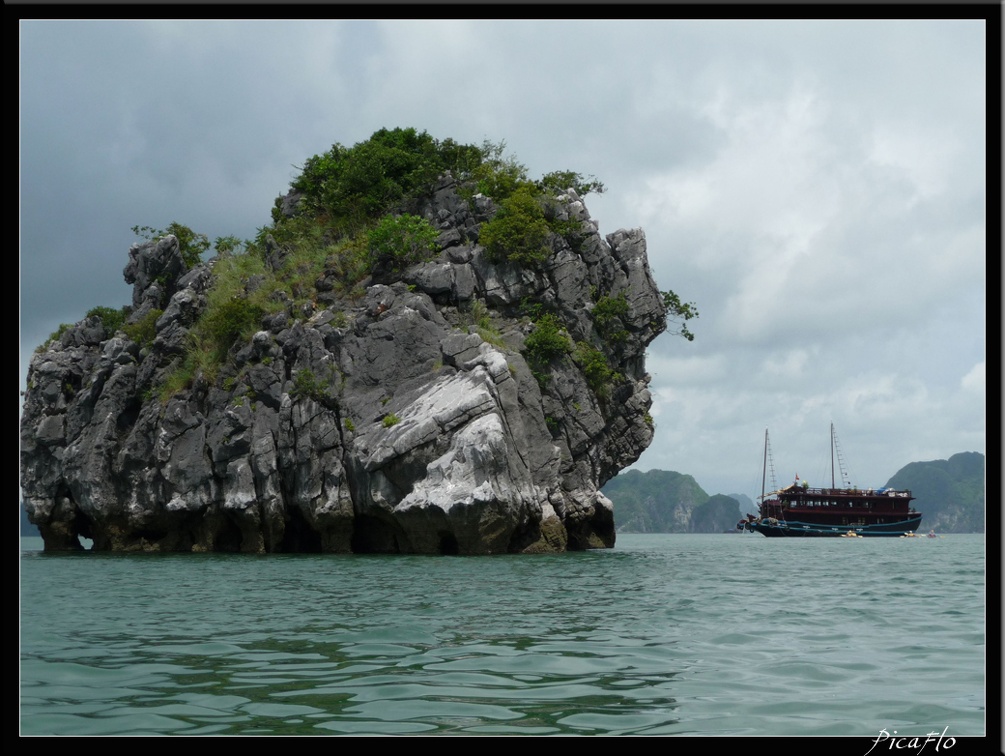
[{"x": 425, "y": 351}]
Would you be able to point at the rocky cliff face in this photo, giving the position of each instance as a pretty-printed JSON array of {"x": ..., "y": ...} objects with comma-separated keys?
[
  {"x": 404, "y": 420},
  {"x": 951, "y": 493}
]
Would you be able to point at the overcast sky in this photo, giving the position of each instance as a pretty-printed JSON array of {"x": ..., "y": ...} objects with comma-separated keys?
[{"x": 817, "y": 188}]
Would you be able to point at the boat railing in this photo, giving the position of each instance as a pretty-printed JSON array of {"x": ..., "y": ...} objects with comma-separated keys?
[{"x": 845, "y": 492}]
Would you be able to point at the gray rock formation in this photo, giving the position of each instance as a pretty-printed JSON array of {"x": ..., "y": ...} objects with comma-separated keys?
[{"x": 391, "y": 423}]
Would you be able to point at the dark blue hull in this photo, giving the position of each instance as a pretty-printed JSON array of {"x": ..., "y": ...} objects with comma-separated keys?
[{"x": 796, "y": 529}]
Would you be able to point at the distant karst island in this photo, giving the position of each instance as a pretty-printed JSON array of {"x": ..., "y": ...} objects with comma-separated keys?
[{"x": 425, "y": 351}]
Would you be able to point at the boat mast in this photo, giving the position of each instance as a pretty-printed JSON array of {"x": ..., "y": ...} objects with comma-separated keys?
[
  {"x": 832, "y": 455},
  {"x": 764, "y": 472},
  {"x": 836, "y": 452}
]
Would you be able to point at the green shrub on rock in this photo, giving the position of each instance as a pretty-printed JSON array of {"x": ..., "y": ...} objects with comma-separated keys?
[
  {"x": 144, "y": 330},
  {"x": 190, "y": 243},
  {"x": 548, "y": 341},
  {"x": 111, "y": 318},
  {"x": 599, "y": 374},
  {"x": 518, "y": 232},
  {"x": 306, "y": 385},
  {"x": 230, "y": 320},
  {"x": 352, "y": 184},
  {"x": 54, "y": 336},
  {"x": 557, "y": 182},
  {"x": 679, "y": 312},
  {"x": 609, "y": 314},
  {"x": 497, "y": 176},
  {"x": 398, "y": 241}
]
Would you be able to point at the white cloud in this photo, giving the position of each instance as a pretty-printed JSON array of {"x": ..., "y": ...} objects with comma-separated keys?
[{"x": 974, "y": 380}]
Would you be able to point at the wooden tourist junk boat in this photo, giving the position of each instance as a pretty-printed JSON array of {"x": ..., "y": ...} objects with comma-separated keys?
[{"x": 801, "y": 511}]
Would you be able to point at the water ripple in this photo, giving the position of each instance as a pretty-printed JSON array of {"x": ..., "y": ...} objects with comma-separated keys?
[{"x": 665, "y": 635}]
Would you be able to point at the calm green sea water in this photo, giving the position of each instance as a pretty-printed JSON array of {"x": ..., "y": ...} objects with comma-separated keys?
[{"x": 663, "y": 635}]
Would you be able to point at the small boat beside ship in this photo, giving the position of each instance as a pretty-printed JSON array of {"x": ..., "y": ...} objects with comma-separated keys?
[{"x": 800, "y": 511}]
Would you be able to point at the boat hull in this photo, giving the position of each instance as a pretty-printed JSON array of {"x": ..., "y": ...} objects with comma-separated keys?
[{"x": 797, "y": 529}]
